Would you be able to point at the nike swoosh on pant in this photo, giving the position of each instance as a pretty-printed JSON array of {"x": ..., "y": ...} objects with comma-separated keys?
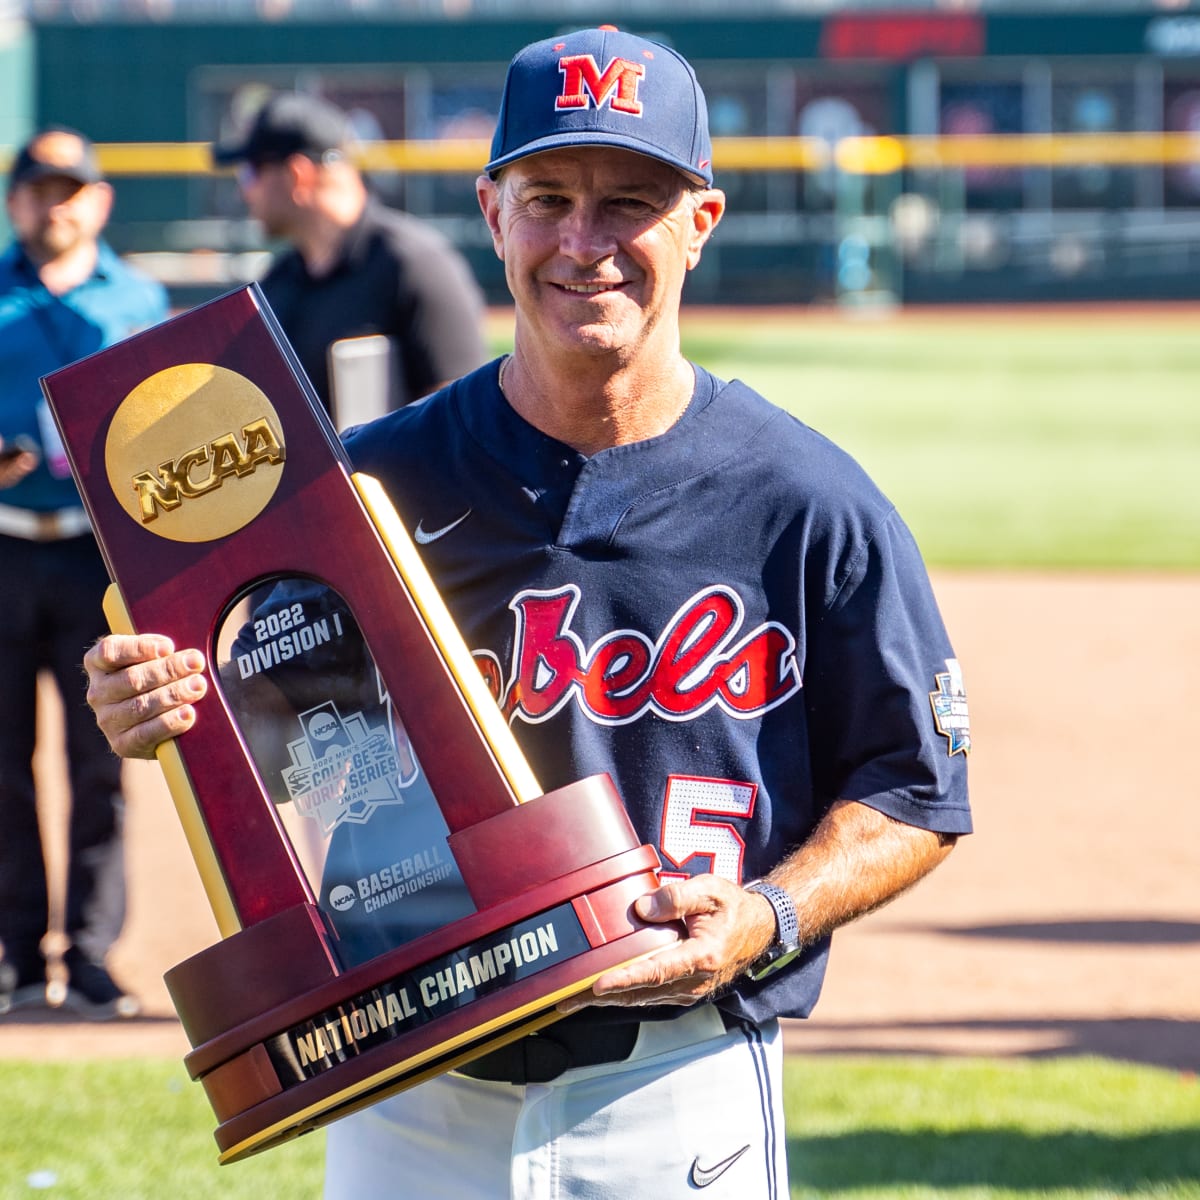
[
  {"x": 424, "y": 536},
  {"x": 701, "y": 1177}
]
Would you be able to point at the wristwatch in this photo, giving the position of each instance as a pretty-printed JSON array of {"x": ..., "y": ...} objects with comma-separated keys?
[{"x": 786, "y": 945}]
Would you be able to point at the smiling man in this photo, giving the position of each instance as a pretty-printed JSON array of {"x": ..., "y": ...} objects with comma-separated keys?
[
  {"x": 667, "y": 578},
  {"x": 596, "y": 244}
]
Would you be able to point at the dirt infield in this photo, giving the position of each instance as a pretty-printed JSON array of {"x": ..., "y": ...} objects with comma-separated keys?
[{"x": 1069, "y": 923}]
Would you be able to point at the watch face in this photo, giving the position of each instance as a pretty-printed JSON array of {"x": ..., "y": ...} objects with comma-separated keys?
[{"x": 775, "y": 959}]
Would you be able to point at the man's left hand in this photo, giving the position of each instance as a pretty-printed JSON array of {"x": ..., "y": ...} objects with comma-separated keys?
[{"x": 728, "y": 929}]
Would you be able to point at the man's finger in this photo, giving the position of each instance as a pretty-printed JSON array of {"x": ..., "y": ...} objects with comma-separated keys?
[
  {"x": 118, "y": 674},
  {"x": 142, "y": 691},
  {"x": 677, "y": 901},
  {"x": 116, "y": 651},
  {"x": 668, "y": 967},
  {"x": 137, "y": 721},
  {"x": 642, "y": 983},
  {"x": 141, "y": 740}
]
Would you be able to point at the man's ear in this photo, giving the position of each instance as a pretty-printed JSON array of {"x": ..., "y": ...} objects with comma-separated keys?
[
  {"x": 302, "y": 175},
  {"x": 102, "y": 200},
  {"x": 709, "y": 211},
  {"x": 488, "y": 192}
]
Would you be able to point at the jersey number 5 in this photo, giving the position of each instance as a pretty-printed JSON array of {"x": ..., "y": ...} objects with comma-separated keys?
[{"x": 697, "y": 836}]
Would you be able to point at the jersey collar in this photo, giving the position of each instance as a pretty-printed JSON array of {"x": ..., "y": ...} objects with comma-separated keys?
[{"x": 589, "y": 497}]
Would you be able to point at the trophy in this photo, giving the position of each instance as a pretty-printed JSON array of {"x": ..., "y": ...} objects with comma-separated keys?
[{"x": 395, "y": 894}]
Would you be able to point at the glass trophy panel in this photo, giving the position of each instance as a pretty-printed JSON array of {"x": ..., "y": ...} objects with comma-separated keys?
[{"x": 302, "y": 686}]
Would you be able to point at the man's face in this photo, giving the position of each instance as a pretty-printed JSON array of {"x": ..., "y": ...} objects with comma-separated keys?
[
  {"x": 53, "y": 216},
  {"x": 596, "y": 243},
  {"x": 267, "y": 190}
]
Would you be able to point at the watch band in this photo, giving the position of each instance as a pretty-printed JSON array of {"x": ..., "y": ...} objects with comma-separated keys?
[{"x": 787, "y": 929}]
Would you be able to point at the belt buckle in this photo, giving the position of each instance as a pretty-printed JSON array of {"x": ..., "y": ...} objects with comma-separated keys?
[
  {"x": 48, "y": 526},
  {"x": 545, "y": 1058}
]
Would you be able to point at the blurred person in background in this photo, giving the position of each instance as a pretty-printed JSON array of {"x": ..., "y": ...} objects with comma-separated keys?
[
  {"x": 64, "y": 293},
  {"x": 355, "y": 268}
]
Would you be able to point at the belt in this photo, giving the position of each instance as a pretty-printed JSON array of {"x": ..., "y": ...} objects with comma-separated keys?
[
  {"x": 545, "y": 1055},
  {"x": 36, "y": 526},
  {"x": 583, "y": 1041}
]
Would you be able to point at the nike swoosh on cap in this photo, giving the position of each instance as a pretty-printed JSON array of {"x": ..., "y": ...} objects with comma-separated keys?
[
  {"x": 701, "y": 1177},
  {"x": 423, "y": 536}
]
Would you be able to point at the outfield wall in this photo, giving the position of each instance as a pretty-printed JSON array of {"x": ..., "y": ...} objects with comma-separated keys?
[{"x": 986, "y": 230}]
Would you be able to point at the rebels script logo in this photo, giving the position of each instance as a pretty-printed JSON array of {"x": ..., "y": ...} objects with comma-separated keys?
[
  {"x": 618, "y": 85},
  {"x": 704, "y": 657}
]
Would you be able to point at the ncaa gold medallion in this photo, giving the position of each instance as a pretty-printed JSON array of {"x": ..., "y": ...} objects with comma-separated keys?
[{"x": 194, "y": 452}]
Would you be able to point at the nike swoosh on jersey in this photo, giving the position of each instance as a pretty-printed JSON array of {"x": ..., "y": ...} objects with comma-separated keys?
[
  {"x": 423, "y": 536},
  {"x": 701, "y": 1177}
]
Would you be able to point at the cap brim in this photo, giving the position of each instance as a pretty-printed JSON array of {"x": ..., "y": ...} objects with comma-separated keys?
[
  {"x": 561, "y": 141},
  {"x": 48, "y": 171},
  {"x": 226, "y": 156}
]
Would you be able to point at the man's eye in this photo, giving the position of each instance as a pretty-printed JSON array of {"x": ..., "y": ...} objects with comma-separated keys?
[{"x": 636, "y": 204}]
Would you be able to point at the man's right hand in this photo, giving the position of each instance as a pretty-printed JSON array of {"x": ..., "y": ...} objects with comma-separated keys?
[
  {"x": 17, "y": 460},
  {"x": 142, "y": 690}
]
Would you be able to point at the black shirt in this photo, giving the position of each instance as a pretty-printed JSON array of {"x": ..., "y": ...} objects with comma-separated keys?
[{"x": 397, "y": 276}]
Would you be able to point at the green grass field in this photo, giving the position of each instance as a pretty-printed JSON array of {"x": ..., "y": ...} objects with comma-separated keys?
[
  {"x": 1027, "y": 440},
  {"x": 972, "y": 1129},
  {"x": 859, "y": 1129}
]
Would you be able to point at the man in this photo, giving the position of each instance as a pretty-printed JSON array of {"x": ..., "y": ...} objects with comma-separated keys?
[
  {"x": 671, "y": 580},
  {"x": 355, "y": 267},
  {"x": 63, "y": 294}
]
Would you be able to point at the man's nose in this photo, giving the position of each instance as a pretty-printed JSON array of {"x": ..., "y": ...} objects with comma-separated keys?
[
  {"x": 58, "y": 197},
  {"x": 585, "y": 237}
]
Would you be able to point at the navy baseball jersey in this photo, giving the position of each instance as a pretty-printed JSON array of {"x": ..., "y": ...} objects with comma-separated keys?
[{"x": 730, "y": 619}]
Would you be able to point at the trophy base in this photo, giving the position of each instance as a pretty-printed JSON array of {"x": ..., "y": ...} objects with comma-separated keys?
[{"x": 286, "y": 1041}]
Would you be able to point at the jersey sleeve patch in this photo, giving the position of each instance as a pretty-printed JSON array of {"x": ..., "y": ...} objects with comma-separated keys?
[{"x": 950, "y": 715}]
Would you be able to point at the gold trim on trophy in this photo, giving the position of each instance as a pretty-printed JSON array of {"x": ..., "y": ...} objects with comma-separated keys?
[
  {"x": 449, "y": 641},
  {"x": 183, "y": 796}
]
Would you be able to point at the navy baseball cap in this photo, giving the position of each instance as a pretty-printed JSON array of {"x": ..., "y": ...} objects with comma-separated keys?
[
  {"x": 56, "y": 152},
  {"x": 288, "y": 123},
  {"x": 602, "y": 87}
]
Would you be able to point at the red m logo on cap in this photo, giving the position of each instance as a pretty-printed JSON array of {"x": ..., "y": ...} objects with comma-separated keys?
[{"x": 618, "y": 85}]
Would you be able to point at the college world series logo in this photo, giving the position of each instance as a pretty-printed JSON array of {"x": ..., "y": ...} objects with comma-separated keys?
[
  {"x": 950, "y": 708},
  {"x": 342, "y": 768}
]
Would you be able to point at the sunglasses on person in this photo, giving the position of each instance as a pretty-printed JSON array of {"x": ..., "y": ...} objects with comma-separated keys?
[{"x": 249, "y": 170}]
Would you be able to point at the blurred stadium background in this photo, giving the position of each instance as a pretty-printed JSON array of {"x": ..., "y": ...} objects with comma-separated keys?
[
  {"x": 875, "y": 155},
  {"x": 911, "y": 153}
]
